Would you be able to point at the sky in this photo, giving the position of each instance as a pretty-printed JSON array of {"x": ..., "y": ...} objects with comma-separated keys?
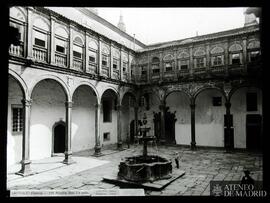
[{"x": 154, "y": 25}]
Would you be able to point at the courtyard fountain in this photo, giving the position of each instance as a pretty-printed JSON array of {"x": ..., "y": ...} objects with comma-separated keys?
[
  {"x": 144, "y": 168},
  {"x": 148, "y": 171}
]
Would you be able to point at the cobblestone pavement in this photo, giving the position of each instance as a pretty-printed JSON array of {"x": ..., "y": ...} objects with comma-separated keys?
[{"x": 201, "y": 166}]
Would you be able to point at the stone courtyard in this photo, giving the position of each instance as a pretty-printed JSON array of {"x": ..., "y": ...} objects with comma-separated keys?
[{"x": 201, "y": 166}]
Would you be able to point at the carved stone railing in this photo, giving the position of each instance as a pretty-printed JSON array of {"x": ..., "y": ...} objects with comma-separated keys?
[
  {"x": 105, "y": 71},
  {"x": 236, "y": 69},
  {"x": 199, "y": 70},
  {"x": 92, "y": 68},
  {"x": 16, "y": 50},
  {"x": 77, "y": 64},
  {"x": 217, "y": 69},
  {"x": 40, "y": 54},
  {"x": 61, "y": 59},
  {"x": 116, "y": 74}
]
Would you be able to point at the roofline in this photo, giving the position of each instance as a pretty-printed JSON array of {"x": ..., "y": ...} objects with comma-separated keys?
[
  {"x": 110, "y": 25},
  {"x": 161, "y": 45}
]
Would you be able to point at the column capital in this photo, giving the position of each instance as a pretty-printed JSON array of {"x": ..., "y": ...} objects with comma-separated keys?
[
  {"x": 26, "y": 102},
  {"x": 68, "y": 104},
  {"x": 228, "y": 104}
]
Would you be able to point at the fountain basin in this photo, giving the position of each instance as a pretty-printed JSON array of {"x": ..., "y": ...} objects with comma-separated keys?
[{"x": 145, "y": 168}]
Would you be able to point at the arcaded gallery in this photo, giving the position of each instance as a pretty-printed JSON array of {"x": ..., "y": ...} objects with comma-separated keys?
[{"x": 78, "y": 82}]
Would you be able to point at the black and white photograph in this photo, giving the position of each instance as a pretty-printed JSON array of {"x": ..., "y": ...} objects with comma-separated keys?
[{"x": 134, "y": 101}]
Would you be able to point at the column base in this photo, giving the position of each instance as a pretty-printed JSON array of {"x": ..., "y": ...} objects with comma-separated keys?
[
  {"x": 120, "y": 146},
  {"x": 68, "y": 160},
  {"x": 97, "y": 152},
  {"x": 25, "y": 170},
  {"x": 193, "y": 145}
]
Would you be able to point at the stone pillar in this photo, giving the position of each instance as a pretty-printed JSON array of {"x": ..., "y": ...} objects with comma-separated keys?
[
  {"x": 136, "y": 119},
  {"x": 68, "y": 152},
  {"x": 85, "y": 58},
  {"x": 192, "y": 108},
  {"x": 191, "y": 67},
  {"x": 25, "y": 163},
  {"x": 208, "y": 57},
  {"x": 119, "y": 136},
  {"x": 70, "y": 56},
  {"x": 226, "y": 57},
  {"x": 162, "y": 108},
  {"x": 29, "y": 33},
  {"x": 52, "y": 44},
  {"x": 161, "y": 66},
  {"x": 99, "y": 57},
  {"x": 244, "y": 58},
  {"x": 120, "y": 65},
  {"x": 111, "y": 61},
  {"x": 228, "y": 137},
  {"x": 97, "y": 131}
]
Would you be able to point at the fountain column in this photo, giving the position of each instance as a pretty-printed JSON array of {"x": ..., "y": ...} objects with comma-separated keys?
[
  {"x": 119, "y": 136},
  {"x": 162, "y": 108},
  {"x": 25, "y": 163}
]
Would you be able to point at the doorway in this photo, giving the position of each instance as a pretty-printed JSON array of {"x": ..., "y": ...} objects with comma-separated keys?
[
  {"x": 254, "y": 132},
  {"x": 59, "y": 130}
]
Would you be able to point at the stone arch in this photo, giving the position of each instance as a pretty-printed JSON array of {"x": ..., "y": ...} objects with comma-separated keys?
[
  {"x": 85, "y": 83},
  {"x": 116, "y": 53},
  {"x": 200, "y": 90},
  {"x": 168, "y": 57},
  {"x": 21, "y": 83},
  {"x": 114, "y": 90},
  {"x": 52, "y": 77},
  {"x": 40, "y": 22},
  {"x": 93, "y": 45},
  {"x": 78, "y": 39},
  {"x": 217, "y": 50},
  {"x": 105, "y": 50},
  {"x": 155, "y": 59},
  {"x": 128, "y": 93},
  {"x": 254, "y": 44},
  {"x": 61, "y": 31},
  {"x": 183, "y": 54},
  {"x": 235, "y": 47},
  {"x": 18, "y": 13},
  {"x": 234, "y": 89},
  {"x": 199, "y": 52},
  {"x": 176, "y": 90}
]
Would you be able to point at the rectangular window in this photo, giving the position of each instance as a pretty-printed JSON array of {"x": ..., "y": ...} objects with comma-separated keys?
[
  {"x": 217, "y": 60},
  {"x": 156, "y": 71},
  {"x": 104, "y": 60},
  {"x": 17, "y": 119},
  {"x": 40, "y": 39},
  {"x": 39, "y": 42},
  {"x": 106, "y": 136},
  {"x": 168, "y": 67},
  {"x": 184, "y": 64},
  {"x": 77, "y": 54},
  {"x": 200, "y": 62},
  {"x": 217, "y": 101},
  {"x": 124, "y": 66},
  {"x": 92, "y": 59},
  {"x": 251, "y": 101},
  {"x": 235, "y": 59},
  {"x": 115, "y": 63},
  {"x": 60, "y": 49},
  {"x": 92, "y": 56},
  {"x": 254, "y": 56},
  {"x": 107, "y": 110}
]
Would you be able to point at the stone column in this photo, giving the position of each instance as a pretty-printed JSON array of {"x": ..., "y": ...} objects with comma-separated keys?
[
  {"x": 97, "y": 131},
  {"x": 99, "y": 57},
  {"x": 25, "y": 163},
  {"x": 119, "y": 136},
  {"x": 244, "y": 58},
  {"x": 70, "y": 56},
  {"x": 29, "y": 33},
  {"x": 191, "y": 67},
  {"x": 85, "y": 58},
  {"x": 162, "y": 108},
  {"x": 52, "y": 44},
  {"x": 120, "y": 65},
  {"x": 208, "y": 57},
  {"x": 226, "y": 58},
  {"x": 136, "y": 119},
  {"x": 192, "y": 108},
  {"x": 68, "y": 152},
  {"x": 228, "y": 137}
]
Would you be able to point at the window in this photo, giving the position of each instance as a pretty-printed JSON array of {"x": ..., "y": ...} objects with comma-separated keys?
[
  {"x": 184, "y": 64},
  {"x": 217, "y": 101},
  {"x": 60, "y": 49},
  {"x": 156, "y": 71},
  {"x": 168, "y": 67},
  {"x": 124, "y": 66},
  {"x": 142, "y": 101},
  {"x": 40, "y": 39},
  {"x": 104, "y": 60},
  {"x": 217, "y": 60},
  {"x": 200, "y": 62},
  {"x": 17, "y": 119},
  {"x": 115, "y": 63},
  {"x": 236, "y": 58},
  {"x": 254, "y": 56},
  {"x": 107, "y": 110},
  {"x": 251, "y": 101},
  {"x": 77, "y": 51},
  {"x": 106, "y": 136},
  {"x": 60, "y": 46},
  {"x": 92, "y": 56}
]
